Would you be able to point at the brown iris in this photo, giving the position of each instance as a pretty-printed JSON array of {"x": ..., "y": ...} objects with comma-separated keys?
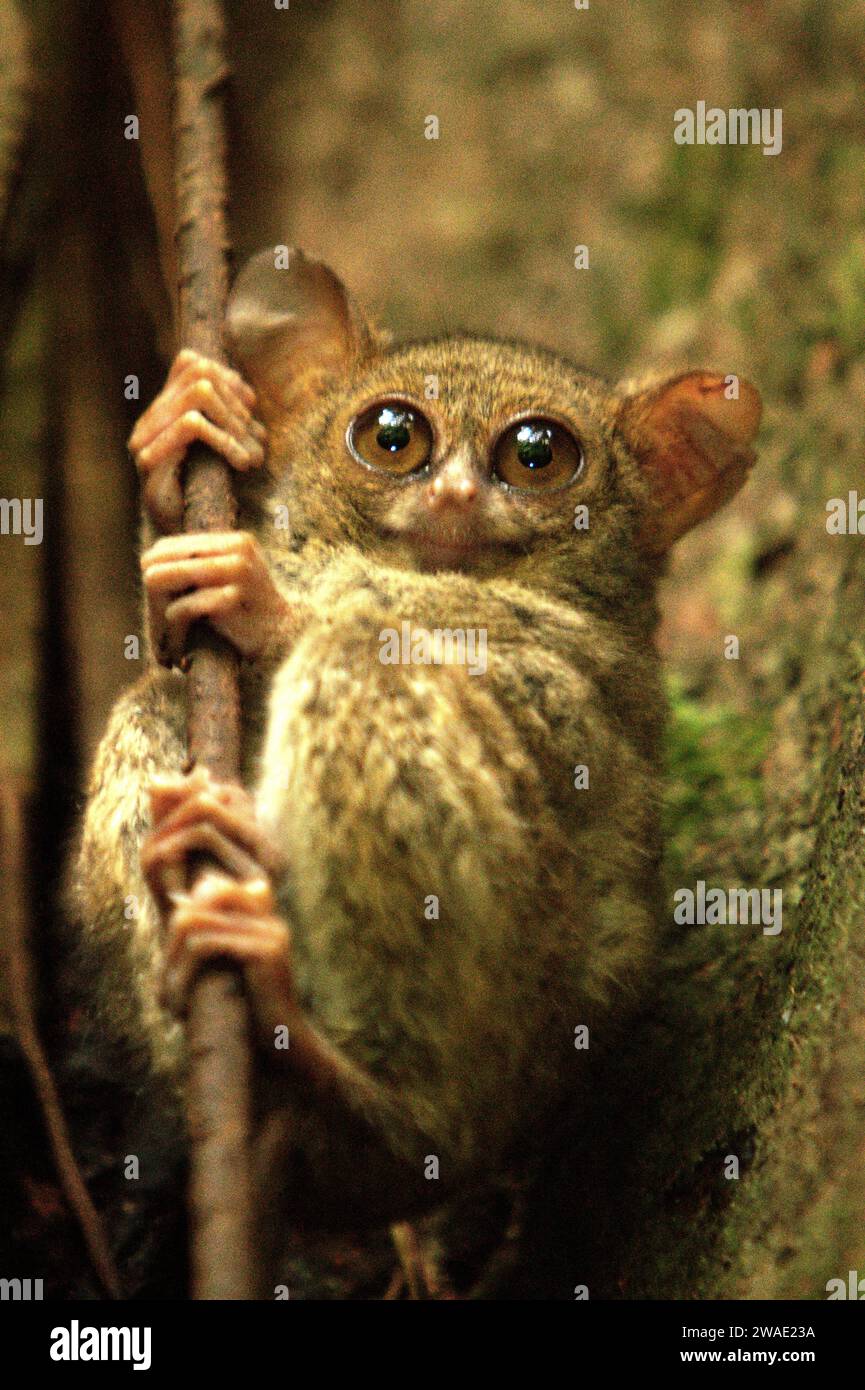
[
  {"x": 537, "y": 454},
  {"x": 393, "y": 436}
]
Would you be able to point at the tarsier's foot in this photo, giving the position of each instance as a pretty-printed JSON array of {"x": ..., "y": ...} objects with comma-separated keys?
[
  {"x": 224, "y": 919},
  {"x": 201, "y": 400},
  {"x": 221, "y": 576},
  {"x": 196, "y": 814},
  {"x": 218, "y": 916}
]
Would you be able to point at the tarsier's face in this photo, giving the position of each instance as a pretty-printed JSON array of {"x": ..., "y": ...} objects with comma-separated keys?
[
  {"x": 465, "y": 454},
  {"x": 470, "y": 454},
  {"x": 453, "y": 489}
]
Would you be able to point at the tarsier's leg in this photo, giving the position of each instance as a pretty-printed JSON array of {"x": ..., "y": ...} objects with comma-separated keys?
[
  {"x": 410, "y": 814},
  {"x": 115, "y": 949},
  {"x": 233, "y": 914}
]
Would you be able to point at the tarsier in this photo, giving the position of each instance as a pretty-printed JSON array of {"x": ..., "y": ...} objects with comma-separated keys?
[{"x": 416, "y": 882}]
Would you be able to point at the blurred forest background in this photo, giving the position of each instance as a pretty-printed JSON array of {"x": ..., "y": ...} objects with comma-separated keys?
[{"x": 556, "y": 129}]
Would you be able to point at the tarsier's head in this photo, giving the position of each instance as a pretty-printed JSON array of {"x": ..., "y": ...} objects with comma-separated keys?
[{"x": 472, "y": 454}]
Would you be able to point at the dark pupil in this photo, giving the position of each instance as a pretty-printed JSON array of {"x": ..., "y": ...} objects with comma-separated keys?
[
  {"x": 534, "y": 449},
  {"x": 394, "y": 430}
]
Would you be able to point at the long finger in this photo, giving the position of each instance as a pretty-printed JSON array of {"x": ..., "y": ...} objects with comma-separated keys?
[
  {"x": 197, "y": 543},
  {"x": 188, "y": 357},
  {"x": 189, "y": 392},
  {"x": 244, "y": 452},
  {"x": 198, "y": 838},
  {"x": 168, "y": 576},
  {"x": 234, "y": 820}
]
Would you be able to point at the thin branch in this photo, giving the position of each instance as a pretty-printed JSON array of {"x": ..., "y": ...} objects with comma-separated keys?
[
  {"x": 23, "y": 1007},
  {"x": 218, "y": 1030}
]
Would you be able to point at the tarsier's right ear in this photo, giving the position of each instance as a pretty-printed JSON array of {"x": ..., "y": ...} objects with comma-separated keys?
[
  {"x": 692, "y": 437},
  {"x": 290, "y": 323}
]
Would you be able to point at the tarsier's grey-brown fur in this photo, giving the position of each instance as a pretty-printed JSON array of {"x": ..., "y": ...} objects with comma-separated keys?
[{"x": 385, "y": 784}]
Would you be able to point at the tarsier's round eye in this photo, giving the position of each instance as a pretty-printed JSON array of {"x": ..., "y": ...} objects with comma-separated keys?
[
  {"x": 537, "y": 454},
  {"x": 393, "y": 436}
]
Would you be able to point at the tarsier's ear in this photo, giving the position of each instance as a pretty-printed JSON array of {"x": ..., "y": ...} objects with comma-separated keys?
[
  {"x": 290, "y": 322},
  {"x": 692, "y": 436}
]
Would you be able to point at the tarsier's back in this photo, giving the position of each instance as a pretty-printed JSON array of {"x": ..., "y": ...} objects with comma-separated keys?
[{"x": 454, "y": 708}]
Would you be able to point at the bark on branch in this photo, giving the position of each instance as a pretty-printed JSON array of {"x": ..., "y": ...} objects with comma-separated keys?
[{"x": 218, "y": 1029}]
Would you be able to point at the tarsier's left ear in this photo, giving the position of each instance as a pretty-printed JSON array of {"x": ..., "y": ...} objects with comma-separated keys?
[
  {"x": 290, "y": 323},
  {"x": 692, "y": 436}
]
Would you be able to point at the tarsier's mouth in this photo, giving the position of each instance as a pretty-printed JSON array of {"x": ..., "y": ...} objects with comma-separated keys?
[{"x": 437, "y": 549}]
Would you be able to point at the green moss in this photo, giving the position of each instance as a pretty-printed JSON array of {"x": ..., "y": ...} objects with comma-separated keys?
[{"x": 713, "y": 755}]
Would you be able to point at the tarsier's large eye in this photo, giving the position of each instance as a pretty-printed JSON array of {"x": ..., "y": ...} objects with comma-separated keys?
[
  {"x": 537, "y": 454},
  {"x": 393, "y": 437}
]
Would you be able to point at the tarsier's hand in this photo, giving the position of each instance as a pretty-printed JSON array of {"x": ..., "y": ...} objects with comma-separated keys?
[
  {"x": 222, "y": 576},
  {"x": 201, "y": 400},
  {"x": 229, "y": 915}
]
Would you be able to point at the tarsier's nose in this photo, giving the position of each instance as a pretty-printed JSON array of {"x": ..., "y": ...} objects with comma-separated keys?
[{"x": 454, "y": 485}]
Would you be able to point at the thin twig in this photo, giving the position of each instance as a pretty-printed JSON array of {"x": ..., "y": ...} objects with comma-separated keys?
[
  {"x": 23, "y": 1006},
  {"x": 218, "y": 1030}
]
